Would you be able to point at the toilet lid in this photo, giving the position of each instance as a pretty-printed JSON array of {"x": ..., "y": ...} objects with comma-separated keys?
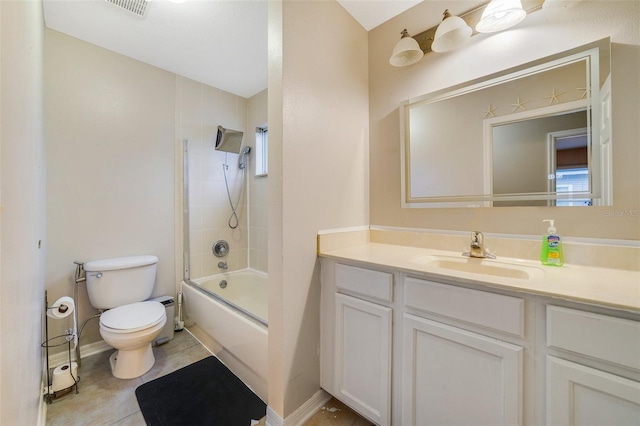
[{"x": 136, "y": 316}]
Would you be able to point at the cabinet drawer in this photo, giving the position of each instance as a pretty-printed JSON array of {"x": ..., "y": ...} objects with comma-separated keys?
[
  {"x": 489, "y": 310},
  {"x": 365, "y": 282},
  {"x": 606, "y": 338}
]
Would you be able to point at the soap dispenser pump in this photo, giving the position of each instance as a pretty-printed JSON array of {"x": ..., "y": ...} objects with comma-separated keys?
[{"x": 551, "y": 251}]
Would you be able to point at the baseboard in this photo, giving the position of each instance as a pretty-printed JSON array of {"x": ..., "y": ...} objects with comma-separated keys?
[
  {"x": 42, "y": 405},
  {"x": 273, "y": 419},
  {"x": 85, "y": 351},
  {"x": 302, "y": 414}
]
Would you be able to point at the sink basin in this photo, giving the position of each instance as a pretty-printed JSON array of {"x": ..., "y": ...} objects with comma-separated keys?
[{"x": 471, "y": 265}]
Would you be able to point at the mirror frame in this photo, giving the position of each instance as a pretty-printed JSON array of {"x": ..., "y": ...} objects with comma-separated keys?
[{"x": 600, "y": 188}]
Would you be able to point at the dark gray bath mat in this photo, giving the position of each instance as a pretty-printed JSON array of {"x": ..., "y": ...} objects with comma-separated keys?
[{"x": 203, "y": 393}]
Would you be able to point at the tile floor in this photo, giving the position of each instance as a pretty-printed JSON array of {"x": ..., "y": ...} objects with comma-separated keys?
[
  {"x": 105, "y": 400},
  {"x": 335, "y": 413}
]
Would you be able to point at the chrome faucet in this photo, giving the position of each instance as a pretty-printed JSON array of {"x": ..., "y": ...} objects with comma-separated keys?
[
  {"x": 223, "y": 265},
  {"x": 477, "y": 247}
]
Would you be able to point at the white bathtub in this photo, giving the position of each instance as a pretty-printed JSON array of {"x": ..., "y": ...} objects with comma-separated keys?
[{"x": 237, "y": 324}]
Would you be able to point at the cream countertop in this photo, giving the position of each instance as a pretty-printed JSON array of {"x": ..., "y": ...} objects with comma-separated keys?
[{"x": 614, "y": 288}]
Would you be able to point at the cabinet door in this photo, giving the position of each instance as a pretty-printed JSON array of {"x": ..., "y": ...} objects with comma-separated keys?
[
  {"x": 363, "y": 357},
  {"x": 455, "y": 377},
  {"x": 579, "y": 395}
]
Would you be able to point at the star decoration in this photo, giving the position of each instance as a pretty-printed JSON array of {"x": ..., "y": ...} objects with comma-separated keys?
[
  {"x": 553, "y": 97},
  {"x": 490, "y": 111},
  {"x": 584, "y": 92},
  {"x": 518, "y": 105}
]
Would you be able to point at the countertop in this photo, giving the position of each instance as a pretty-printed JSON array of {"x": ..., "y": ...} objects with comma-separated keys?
[{"x": 613, "y": 288}]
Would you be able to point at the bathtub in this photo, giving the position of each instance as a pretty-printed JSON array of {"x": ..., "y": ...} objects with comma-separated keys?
[{"x": 235, "y": 319}]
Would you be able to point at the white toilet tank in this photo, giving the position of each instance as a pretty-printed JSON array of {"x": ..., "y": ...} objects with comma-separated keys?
[{"x": 120, "y": 281}]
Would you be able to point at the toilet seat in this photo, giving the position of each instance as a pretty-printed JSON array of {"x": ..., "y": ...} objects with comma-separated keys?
[{"x": 133, "y": 317}]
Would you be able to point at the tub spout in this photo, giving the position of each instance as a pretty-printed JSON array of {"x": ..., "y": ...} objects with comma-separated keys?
[{"x": 223, "y": 265}]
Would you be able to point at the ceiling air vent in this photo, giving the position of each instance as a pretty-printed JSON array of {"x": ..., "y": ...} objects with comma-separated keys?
[{"x": 134, "y": 6}]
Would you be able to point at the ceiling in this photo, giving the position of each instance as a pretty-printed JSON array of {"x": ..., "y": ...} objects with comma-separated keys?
[{"x": 222, "y": 43}]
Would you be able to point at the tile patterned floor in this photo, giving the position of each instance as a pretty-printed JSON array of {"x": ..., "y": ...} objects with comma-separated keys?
[
  {"x": 335, "y": 413},
  {"x": 105, "y": 400}
]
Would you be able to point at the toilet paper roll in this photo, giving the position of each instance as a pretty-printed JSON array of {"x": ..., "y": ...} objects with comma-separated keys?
[
  {"x": 62, "y": 308},
  {"x": 63, "y": 376}
]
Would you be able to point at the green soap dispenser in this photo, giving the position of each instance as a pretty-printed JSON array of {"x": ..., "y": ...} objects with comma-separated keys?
[{"x": 551, "y": 252}]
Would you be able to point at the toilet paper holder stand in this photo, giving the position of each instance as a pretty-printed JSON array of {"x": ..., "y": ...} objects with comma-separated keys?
[{"x": 63, "y": 339}]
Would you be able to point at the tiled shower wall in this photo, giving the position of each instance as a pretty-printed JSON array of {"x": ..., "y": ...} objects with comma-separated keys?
[
  {"x": 199, "y": 110},
  {"x": 257, "y": 116}
]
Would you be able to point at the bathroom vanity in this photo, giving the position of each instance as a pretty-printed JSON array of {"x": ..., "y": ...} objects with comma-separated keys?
[{"x": 419, "y": 336}]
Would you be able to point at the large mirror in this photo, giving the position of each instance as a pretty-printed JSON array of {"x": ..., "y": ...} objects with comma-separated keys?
[{"x": 534, "y": 135}]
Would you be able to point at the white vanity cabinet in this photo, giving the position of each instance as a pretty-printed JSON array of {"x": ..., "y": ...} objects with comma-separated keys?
[
  {"x": 409, "y": 349},
  {"x": 358, "y": 352},
  {"x": 578, "y": 394},
  {"x": 455, "y": 376}
]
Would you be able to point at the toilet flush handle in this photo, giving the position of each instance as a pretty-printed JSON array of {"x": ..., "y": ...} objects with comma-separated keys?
[{"x": 97, "y": 275}]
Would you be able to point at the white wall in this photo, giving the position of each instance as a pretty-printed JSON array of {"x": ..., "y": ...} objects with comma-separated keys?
[
  {"x": 110, "y": 164},
  {"x": 23, "y": 210},
  {"x": 543, "y": 33},
  {"x": 318, "y": 176}
]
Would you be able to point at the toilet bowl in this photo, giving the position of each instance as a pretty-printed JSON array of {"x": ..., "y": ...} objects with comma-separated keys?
[{"x": 130, "y": 329}]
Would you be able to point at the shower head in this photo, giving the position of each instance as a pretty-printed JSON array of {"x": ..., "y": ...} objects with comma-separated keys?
[
  {"x": 229, "y": 140},
  {"x": 245, "y": 153}
]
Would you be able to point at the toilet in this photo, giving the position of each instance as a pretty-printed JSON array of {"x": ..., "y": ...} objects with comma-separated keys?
[{"x": 130, "y": 322}]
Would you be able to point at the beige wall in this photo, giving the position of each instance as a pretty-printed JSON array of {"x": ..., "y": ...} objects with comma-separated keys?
[
  {"x": 258, "y": 187},
  {"x": 199, "y": 111},
  {"x": 318, "y": 178},
  {"x": 276, "y": 369},
  {"x": 23, "y": 210},
  {"x": 110, "y": 164},
  {"x": 542, "y": 33}
]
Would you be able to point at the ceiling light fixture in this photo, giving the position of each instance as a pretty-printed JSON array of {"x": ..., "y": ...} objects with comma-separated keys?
[
  {"x": 451, "y": 34},
  {"x": 500, "y": 15},
  {"x": 506, "y": 12}
]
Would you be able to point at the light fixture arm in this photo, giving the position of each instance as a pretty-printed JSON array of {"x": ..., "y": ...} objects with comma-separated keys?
[{"x": 471, "y": 17}]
